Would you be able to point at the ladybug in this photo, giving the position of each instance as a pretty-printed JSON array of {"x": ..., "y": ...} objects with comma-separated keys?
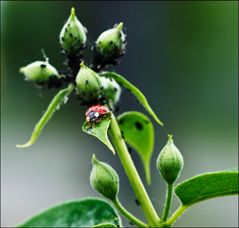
[{"x": 95, "y": 113}]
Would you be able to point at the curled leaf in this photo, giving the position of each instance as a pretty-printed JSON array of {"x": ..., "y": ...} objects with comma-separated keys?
[
  {"x": 138, "y": 132},
  {"x": 99, "y": 130},
  {"x": 57, "y": 101},
  {"x": 134, "y": 90}
]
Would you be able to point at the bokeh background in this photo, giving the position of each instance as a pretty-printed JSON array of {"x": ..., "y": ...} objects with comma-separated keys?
[{"x": 182, "y": 55}]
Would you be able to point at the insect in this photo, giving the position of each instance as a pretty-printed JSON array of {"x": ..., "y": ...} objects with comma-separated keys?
[{"x": 95, "y": 113}]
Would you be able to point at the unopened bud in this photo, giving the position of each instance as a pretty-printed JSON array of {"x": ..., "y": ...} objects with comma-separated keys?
[
  {"x": 111, "y": 43},
  {"x": 170, "y": 162},
  {"x": 88, "y": 85},
  {"x": 111, "y": 90},
  {"x": 73, "y": 35},
  {"x": 104, "y": 179},
  {"x": 39, "y": 72}
]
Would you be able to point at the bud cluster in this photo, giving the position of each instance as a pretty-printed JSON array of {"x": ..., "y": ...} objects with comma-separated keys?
[{"x": 90, "y": 87}]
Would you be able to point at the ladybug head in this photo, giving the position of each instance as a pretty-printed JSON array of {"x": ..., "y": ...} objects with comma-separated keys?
[{"x": 93, "y": 116}]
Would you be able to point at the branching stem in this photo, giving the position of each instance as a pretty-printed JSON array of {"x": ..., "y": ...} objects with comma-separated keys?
[{"x": 128, "y": 215}]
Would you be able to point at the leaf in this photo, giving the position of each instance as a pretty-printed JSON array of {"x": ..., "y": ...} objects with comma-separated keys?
[
  {"x": 80, "y": 213},
  {"x": 105, "y": 225},
  {"x": 206, "y": 186},
  {"x": 134, "y": 90},
  {"x": 99, "y": 130},
  {"x": 57, "y": 101},
  {"x": 138, "y": 132}
]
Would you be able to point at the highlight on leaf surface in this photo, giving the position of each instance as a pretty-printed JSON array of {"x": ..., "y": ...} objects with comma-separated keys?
[
  {"x": 88, "y": 212},
  {"x": 134, "y": 90},
  {"x": 206, "y": 186},
  {"x": 60, "y": 98},
  {"x": 99, "y": 130},
  {"x": 138, "y": 132}
]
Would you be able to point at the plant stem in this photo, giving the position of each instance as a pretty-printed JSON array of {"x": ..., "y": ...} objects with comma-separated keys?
[
  {"x": 127, "y": 214},
  {"x": 176, "y": 214},
  {"x": 167, "y": 202},
  {"x": 132, "y": 173}
]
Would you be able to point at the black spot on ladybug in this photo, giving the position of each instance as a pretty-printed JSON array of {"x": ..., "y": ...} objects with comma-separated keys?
[
  {"x": 138, "y": 125},
  {"x": 68, "y": 25},
  {"x": 62, "y": 38},
  {"x": 71, "y": 35},
  {"x": 101, "y": 87},
  {"x": 115, "y": 89},
  {"x": 86, "y": 81},
  {"x": 111, "y": 42},
  {"x": 111, "y": 79},
  {"x": 137, "y": 202},
  {"x": 43, "y": 66}
]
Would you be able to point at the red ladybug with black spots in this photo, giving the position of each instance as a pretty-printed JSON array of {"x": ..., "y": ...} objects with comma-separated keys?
[{"x": 95, "y": 113}]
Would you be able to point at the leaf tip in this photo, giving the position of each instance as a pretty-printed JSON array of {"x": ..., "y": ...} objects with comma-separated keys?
[
  {"x": 94, "y": 160},
  {"x": 25, "y": 145}
]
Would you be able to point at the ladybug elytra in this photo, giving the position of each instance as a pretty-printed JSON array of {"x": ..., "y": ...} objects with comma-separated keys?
[{"x": 95, "y": 113}]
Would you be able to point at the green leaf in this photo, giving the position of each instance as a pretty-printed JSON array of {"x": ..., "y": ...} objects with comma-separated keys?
[
  {"x": 138, "y": 132},
  {"x": 206, "y": 186},
  {"x": 134, "y": 90},
  {"x": 105, "y": 225},
  {"x": 99, "y": 130},
  {"x": 80, "y": 213},
  {"x": 57, "y": 101}
]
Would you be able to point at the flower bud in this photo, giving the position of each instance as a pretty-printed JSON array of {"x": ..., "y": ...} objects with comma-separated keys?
[
  {"x": 39, "y": 72},
  {"x": 88, "y": 85},
  {"x": 111, "y": 43},
  {"x": 111, "y": 90},
  {"x": 104, "y": 179},
  {"x": 73, "y": 35},
  {"x": 170, "y": 162}
]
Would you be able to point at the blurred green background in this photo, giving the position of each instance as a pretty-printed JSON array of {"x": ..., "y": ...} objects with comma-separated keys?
[{"x": 182, "y": 55}]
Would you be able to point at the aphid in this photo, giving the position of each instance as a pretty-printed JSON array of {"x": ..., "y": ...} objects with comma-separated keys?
[{"x": 95, "y": 113}]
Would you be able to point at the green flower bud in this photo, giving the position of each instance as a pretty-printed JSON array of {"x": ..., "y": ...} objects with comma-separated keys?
[
  {"x": 73, "y": 35},
  {"x": 39, "y": 72},
  {"x": 104, "y": 179},
  {"x": 111, "y": 90},
  {"x": 170, "y": 162},
  {"x": 111, "y": 43},
  {"x": 88, "y": 85}
]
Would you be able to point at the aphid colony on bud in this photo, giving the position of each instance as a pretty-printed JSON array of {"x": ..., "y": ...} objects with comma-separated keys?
[
  {"x": 111, "y": 91},
  {"x": 91, "y": 87},
  {"x": 39, "y": 72},
  {"x": 73, "y": 35},
  {"x": 88, "y": 85},
  {"x": 110, "y": 45}
]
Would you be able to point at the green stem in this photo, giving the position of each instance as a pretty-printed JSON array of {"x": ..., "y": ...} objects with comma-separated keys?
[
  {"x": 132, "y": 173},
  {"x": 168, "y": 202},
  {"x": 127, "y": 214},
  {"x": 176, "y": 214}
]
